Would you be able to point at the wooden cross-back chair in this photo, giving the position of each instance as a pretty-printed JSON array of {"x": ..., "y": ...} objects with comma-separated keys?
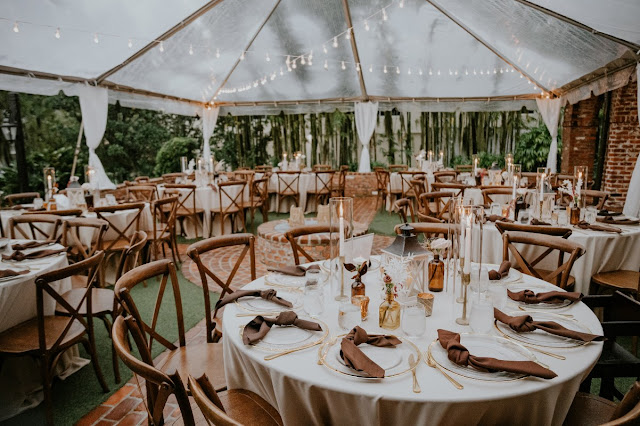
[
  {"x": 383, "y": 186},
  {"x": 45, "y": 227},
  {"x": 145, "y": 193},
  {"x": 142, "y": 179},
  {"x": 561, "y": 275},
  {"x": 456, "y": 188},
  {"x": 531, "y": 178},
  {"x": 554, "y": 231},
  {"x": 321, "y": 167},
  {"x": 436, "y": 204},
  {"x": 181, "y": 360},
  {"x": 121, "y": 238},
  {"x": 338, "y": 189},
  {"x": 163, "y": 212},
  {"x": 259, "y": 198},
  {"x": 196, "y": 252},
  {"x": 407, "y": 187},
  {"x": 12, "y": 199},
  {"x": 419, "y": 187},
  {"x": 323, "y": 181},
  {"x": 71, "y": 237},
  {"x": 288, "y": 186},
  {"x": 394, "y": 168},
  {"x": 596, "y": 198},
  {"x": 447, "y": 176},
  {"x": 231, "y": 204},
  {"x": 131, "y": 253},
  {"x": 297, "y": 248},
  {"x": 263, "y": 168},
  {"x": 46, "y": 337},
  {"x": 171, "y": 178},
  {"x": 404, "y": 207},
  {"x": 487, "y": 193},
  {"x": 235, "y": 407},
  {"x": 186, "y": 208}
]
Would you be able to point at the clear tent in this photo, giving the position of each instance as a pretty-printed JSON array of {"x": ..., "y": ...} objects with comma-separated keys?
[{"x": 267, "y": 56}]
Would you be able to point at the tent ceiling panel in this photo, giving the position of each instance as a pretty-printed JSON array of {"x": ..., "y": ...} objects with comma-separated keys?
[
  {"x": 36, "y": 48},
  {"x": 551, "y": 51},
  {"x": 225, "y": 29},
  {"x": 418, "y": 38},
  {"x": 619, "y": 18},
  {"x": 294, "y": 29}
]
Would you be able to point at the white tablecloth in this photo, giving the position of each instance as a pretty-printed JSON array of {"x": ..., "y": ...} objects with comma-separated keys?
[
  {"x": 307, "y": 393},
  {"x": 20, "y": 380},
  {"x": 604, "y": 251},
  {"x": 306, "y": 183}
]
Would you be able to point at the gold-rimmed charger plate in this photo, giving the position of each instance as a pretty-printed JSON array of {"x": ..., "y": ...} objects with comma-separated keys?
[
  {"x": 538, "y": 288},
  {"x": 286, "y": 338},
  {"x": 275, "y": 279},
  {"x": 257, "y": 304},
  {"x": 398, "y": 360},
  {"x": 483, "y": 345},
  {"x": 542, "y": 338}
]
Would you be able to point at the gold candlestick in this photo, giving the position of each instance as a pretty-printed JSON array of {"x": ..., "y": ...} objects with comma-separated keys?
[{"x": 463, "y": 320}]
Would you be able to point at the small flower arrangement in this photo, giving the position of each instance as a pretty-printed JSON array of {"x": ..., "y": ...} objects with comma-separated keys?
[
  {"x": 360, "y": 266},
  {"x": 572, "y": 192},
  {"x": 390, "y": 288},
  {"x": 438, "y": 245}
]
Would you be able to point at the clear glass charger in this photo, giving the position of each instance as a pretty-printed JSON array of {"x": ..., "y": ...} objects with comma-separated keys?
[
  {"x": 538, "y": 287},
  {"x": 284, "y": 338},
  {"x": 258, "y": 304},
  {"x": 540, "y": 337}
]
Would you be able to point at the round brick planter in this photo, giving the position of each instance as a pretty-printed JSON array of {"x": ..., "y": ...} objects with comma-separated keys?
[{"x": 274, "y": 250}]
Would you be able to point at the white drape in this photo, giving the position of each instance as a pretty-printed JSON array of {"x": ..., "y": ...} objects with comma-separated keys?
[
  {"x": 366, "y": 117},
  {"x": 632, "y": 203},
  {"x": 550, "y": 112},
  {"x": 94, "y": 104},
  {"x": 209, "y": 119}
]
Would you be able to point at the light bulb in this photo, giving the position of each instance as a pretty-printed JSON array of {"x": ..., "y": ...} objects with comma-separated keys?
[
  {"x": 348, "y": 36},
  {"x": 161, "y": 48},
  {"x": 191, "y": 49},
  {"x": 130, "y": 44},
  {"x": 310, "y": 57},
  {"x": 438, "y": 72},
  {"x": 474, "y": 72},
  {"x": 520, "y": 75},
  {"x": 420, "y": 71},
  {"x": 430, "y": 72},
  {"x": 309, "y": 62},
  {"x": 528, "y": 81},
  {"x": 273, "y": 76},
  {"x": 450, "y": 73},
  {"x": 267, "y": 58},
  {"x": 326, "y": 65},
  {"x": 281, "y": 71},
  {"x": 58, "y": 32},
  {"x": 324, "y": 49},
  {"x": 366, "y": 25},
  {"x": 335, "y": 42},
  {"x": 294, "y": 65},
  {"x": 501, "y": 71},
  {"x": 15, "y": 27},
  {"x": 495, "y": 71},
  {"x": 242, "y": 56},
  {"x": 263, "y": 81},
  {"x": 481, "y": 72},
  {"x": 343, "y": 66},
  {"x": 401, "y": 4},
  {"x": 455, "y": 72},
  {"x": 358, "y": 67},
  {"x": 409, "y": 71},
  {"x": 255, "y": 83},
  {"x": 303, "y": 61},
  {"x": 288, "y": 60},
  {"x": 397, "y": 70},
  {"x": 384, "y": 15},
  {"x": 95, "y": 38},
  {"x": 217, "y": 52},
  {"x": 370, "y": 68},
  {"x": 384, "y": 70},
  {"x": 466, "y": 72}
]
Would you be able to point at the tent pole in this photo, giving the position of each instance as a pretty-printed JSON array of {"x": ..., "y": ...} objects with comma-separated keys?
[
  {"x": 75, "y": 154},
  {"x": 634, "y": 47},
  {"x": 354, "y": 49},
  {"x": 487, "y": 45},
  {"x": 215, "y": 95}
]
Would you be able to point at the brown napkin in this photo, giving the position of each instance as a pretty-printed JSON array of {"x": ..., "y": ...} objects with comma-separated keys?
[
  {"x": 502, "y": 272},
  {"x": 30, "y": 244},
  {"x": 585, "y": 225},
  {"x": 458, "y": 354},
  {"x": 354, "y": 358},
  {"x": 524, "y": 323},
  {"x": 294, "y": 270},
  {"x": 529, "y": 297},
  {"x": 612, "y": 220},
  {"x": 539, "y": 222},
  {"x": 5, "y": 273},
  {"x": 496, "y": 218},
  {"x": 270, "y": 294},
  {"x": 260, "y": 326},
  {"x": 19, "y": 256}
]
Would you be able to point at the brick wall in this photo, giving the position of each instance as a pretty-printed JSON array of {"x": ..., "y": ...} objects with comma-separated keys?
[
  {"x": 579, "y": 133},
  {"x": 623, "y": 143},
  {"x": 360, "y": 184}
]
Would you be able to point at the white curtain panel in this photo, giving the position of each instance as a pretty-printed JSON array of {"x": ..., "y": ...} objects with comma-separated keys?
[
  {"x": 209, "y": 119},
  {"x": 550, "y": 112},
  {"x": 366, "y": 118},
  {"x": 94, "y": 104}
]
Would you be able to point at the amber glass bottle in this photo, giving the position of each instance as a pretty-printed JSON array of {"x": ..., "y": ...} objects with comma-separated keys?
[{"x": 436, "y": 274}]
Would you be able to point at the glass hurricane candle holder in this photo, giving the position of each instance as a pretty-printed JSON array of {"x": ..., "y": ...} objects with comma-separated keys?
[
  {"x": 184, "y": 164},
  {"x": 49, "y": 182},
  {"x": 471, "y": 220},
  {"x": 580, "y": 178},
  {"x": 340, "y": 235},
  {"x": 90, "y": 176}
]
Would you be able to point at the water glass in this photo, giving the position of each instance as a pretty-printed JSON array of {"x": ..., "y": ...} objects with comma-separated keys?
[
  {"x": 348, "y": 315},
  {"x": 413, "y": 321},
  {"x": 496, "y": 209},
  {"x": 498, "y": 294},
  {"x": 313, "y": 300},
  {"x": 590, "y": 215},
  {"x": 562, "y": 217},
  {"x": 481, "y": 317},
  {"x": 312, "y": 276},
  {"x": 523, "y": 216}
]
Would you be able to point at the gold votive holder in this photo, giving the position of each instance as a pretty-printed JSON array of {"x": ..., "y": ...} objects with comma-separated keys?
[
  {"x": 363, "y": 302},
  {"x": 426, "y": 300}
]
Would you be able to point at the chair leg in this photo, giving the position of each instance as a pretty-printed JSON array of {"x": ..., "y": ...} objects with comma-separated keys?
[
  {"x": 114, "y": 356},
  {"x": 46, "y": 387},
  {"x": 89, "y": 346}
]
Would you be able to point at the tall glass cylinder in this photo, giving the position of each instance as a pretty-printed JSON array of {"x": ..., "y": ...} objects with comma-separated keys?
[
  {"x": 508, "y": 162},
  {"x": 581, "y": 176},
  {"x": 184, "y": 164},
  {"x": 90, "y": 176},
  {"x": 475, "y": 164},
  {"x": 341, "y": 233},
  {"x": 471, "y": 220},
  {"x": 49, "y": 182},
  {"x": 542, "y": 182}
]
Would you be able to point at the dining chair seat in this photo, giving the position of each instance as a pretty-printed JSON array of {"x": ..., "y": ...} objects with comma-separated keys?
[
  {"x": 196, "y": 360},
  {"x": 249, "y": 408},
  {"x": 101, "y": 301},
  {"x": 626, "y": 281},
  {"x": 24, "y": 337},
  {"x": 187, "y": 212},
  {"x": 590, "y": 410},
  {"x": 117, "y": 245},
  {"x": 571, "y": 281}
]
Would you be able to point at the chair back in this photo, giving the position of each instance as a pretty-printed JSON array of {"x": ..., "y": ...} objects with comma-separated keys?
[
  {"x": 555, "y": 231},
  {"x": 260, "y": 192},
  {"x": 393, "y": 168},
  {"x": 531, "y": 178},
  {"x": 488, "y": 193},
  {"x": 118, "y": 231},
  {"x": 437, "y": 204},
  {"x": 456, "y": 188},
  {"x": 404, "y": 207},
  {"x": 36, "y": 227},
  {"x": 142, "y": 193},
  {"x": 338, "y": 189},
  {"x": 288, "y": 183},
  {"x": 159, "y": 385},
  {"x": 447, "y": 176},
  {"x": 628, "y": 411},
  {"x": 230, "y": 196},
  {"x": 559, "y": 276},
  {"x": 74, "y": 232},
  {"x": 172, "y": 177},
  {"x": 596, "y": 198},
  {"x": 186, "y": 194},
  {"x": 294, "y": 233},
  {"x": 12, "y": 199},
  {"x": 120, "y": 193},
  {"x": 382, "y": 179},
  {"x": 131, "y": 253},
  {"x": 407, "y": 187},
  {"x": 247, "y": 175},
  {"x": 197, "y": 250},
  {"x": 142, "y": 179},
  {"x": 418, "y": 186},
  {"x": 323, "y": 181},
  {"x": 69, "y": 212},
  {"x": 321, "y": 167},
  {"x": 209, "y": 403},
  {"x": 263, "y": 168}
]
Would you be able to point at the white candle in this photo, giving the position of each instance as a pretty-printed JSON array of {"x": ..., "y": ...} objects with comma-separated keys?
[
  {"x": 341, "y": 230},
  {"x": 515, "y": 184},
  {"x": 475, "y": 167},
  {"x": 441, "y": 157},
  {"x": 542, "y": 187},
  {"x": 49, "y": 183},
  {"x": 430, "y": 156},
  {"x": 467, "y": 249},
  {"x": 462, "y": 221},
  {"x": 579, "y": 184}
]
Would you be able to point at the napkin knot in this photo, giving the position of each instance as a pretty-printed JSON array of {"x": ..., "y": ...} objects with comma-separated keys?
[{"x": 286, "y": 318}]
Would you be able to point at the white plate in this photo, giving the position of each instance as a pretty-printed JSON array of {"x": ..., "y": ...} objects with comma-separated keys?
[
  {"x": 537, "y": 288},
  {"x": 513, "y": 276},
  {"x": 386, "y": 358},
  {"x": 258, "y": 304},
  {"x": 482, "y": 345},
  {"x": 542, "y": 338},
  {"x": 289, "y": 337},
  {"x": 282, "y": 280}
]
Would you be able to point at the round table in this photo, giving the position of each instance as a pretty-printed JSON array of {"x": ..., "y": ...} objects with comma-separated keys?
[{"x": 307, "y": 393}]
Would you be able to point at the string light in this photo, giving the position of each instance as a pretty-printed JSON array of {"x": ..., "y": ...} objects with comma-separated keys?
[
  {"x": 430, "y": 72},
  {"x": 15, "y": 27},
  {"x": 217, "y": 52},
  {"x": 384, "y": 70},
  {"x": 384, "y": 15},
  {"x": 281, "y": 71},
  {"x": 191, "y": 50},
  {"x": 242, "y": 56},
  {"x": 267, "y": 58},
  {"x": 344, "y": 67},
  {"x": 397, "y": 70},
  {"x": 326, "y": 65},
  {"x": 130, "y": 44},
  {"x": 420, "y": 71},
  {"x": 335, "y": 42},
  {"x": 303, "y": 61},
  {"x": 324, "y": 49},
  {"x": 161, "y": 48},
  {"x": 95, "y": 38},
  {"x": 366, "y": 25},
  {"x": 294, "y": 65},
  {"x": 358, "y": 67},
  {"x": 348, "y": 36},
  {"x": 57, "y": 33},
  {"x": 409, "y": 71},
  {"x": 370, "y": 68},
  {"x": 310, "y": 57},
  {"x": 401, "y": 4}
]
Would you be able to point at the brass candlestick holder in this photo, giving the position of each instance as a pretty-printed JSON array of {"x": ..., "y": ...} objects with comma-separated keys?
[{"x": 466, "y": 280}]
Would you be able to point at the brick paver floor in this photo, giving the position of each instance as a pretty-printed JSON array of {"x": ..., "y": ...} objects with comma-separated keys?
[{"x": 126, "y": 406}]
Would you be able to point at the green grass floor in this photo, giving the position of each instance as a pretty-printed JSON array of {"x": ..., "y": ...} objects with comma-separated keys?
[{"x": 81, "y": 392}]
